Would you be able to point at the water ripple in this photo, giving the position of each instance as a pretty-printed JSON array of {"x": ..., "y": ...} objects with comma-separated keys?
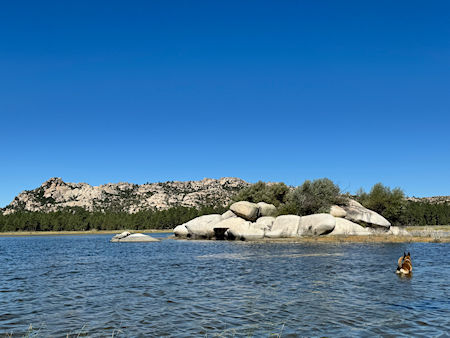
[{"x": 79, "y": 285}]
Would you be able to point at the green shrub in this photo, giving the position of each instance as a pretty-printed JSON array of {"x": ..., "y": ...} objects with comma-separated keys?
[
  {"x": 314, "y": 197},
  {"x": 275, "y": 193},
  {"x": 390, "y": 203}
]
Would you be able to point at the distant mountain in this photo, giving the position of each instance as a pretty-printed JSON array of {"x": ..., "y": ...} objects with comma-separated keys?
[
  {"x": 55, "y": 194},
  {"x": 432, "y": 200}
]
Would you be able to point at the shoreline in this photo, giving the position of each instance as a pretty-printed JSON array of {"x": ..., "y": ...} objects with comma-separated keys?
[
  {"x": 338, "y": 239},
  {"x": 358, "y": 239},
  {"x": 427, "y": 234},
  {"x": 92, "y": 232}
]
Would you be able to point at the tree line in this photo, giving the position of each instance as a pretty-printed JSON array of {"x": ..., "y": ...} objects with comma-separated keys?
[
  {"x": 319, "y": 195},
  {"x": 309, "y": 198},
  {"x": 78, "y": 219}
]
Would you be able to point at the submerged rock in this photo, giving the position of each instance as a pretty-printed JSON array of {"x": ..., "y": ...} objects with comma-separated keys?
[
  {"x": 246, "y": 210},
  {"x": 134, "y": 238}
]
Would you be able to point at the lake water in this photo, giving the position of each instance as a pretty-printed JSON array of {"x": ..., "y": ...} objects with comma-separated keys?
[{"x": 86, "y": 285}]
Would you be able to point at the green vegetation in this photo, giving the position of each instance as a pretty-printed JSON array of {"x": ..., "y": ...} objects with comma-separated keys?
[
  {"x": 309, "y": 198},
  {"x": 390, "y": 203},
  {"x": 318, "y": 195},
  {"x": 315, "y": 197},
  {"x": 273, "y": 193},
  {"x": 421, "y": 213},
  {"x": 78, "y": 219}
]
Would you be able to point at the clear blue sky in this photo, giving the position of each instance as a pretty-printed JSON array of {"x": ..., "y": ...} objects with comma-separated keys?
[{"x": 111, "y": 91}]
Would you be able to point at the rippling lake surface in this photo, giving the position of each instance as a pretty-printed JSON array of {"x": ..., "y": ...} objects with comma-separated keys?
[{"x": 85, "y": 285}]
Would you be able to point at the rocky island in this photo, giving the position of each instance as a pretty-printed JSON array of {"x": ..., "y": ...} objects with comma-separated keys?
[
  {"x": 225, "y": 208},
  {"x": 253, "y": 221}
]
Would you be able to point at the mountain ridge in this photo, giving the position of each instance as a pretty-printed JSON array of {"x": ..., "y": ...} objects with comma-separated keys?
[{"x": 56, "y": 194}]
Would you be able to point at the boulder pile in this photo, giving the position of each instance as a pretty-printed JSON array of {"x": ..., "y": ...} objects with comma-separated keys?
[{"x": 253, "y": 221}]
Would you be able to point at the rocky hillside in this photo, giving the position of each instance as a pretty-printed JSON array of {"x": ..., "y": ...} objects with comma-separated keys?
[
  {"x": 432, "y": 200},
  {"x": 55, "y": 194}
]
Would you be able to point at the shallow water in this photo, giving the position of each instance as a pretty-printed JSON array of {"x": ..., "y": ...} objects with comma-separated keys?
[{"x": 86, "y": 285}]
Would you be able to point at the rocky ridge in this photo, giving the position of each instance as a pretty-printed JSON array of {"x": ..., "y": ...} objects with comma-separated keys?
[
  {"x": 432, "y": 200},
  {"x": 55, "y": 194}
]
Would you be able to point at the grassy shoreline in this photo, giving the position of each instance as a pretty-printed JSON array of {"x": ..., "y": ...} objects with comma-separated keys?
[
  {"x": 92, "y": 232},
  {"x": 428, "y": 227},
  {"x": 359, "y": 239}
]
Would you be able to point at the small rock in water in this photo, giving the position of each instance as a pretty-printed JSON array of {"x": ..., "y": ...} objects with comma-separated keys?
[
  {"x": 122, "y": 235},
  {"x": 135, "y": 238}
]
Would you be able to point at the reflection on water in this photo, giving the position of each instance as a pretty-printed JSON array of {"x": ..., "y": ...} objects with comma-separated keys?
[{"x": 85, "y": 284}]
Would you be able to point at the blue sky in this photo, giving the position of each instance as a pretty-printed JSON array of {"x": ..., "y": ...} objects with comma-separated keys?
[{"x": 145, "y": 91}]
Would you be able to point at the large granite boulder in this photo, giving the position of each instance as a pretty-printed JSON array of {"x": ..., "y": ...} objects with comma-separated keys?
[
  {"x": 228, "y": 214},
  {"x": 244, "y": 231},
  {"x": 203, "y": 226},
  {"x": 230, "y": 222},
  {"x": 181, "y": 231},
  {"x": 346, "y": 227},
  {"x": 284, "y": 226},
  {"x": 221, "y": 228},
  {"x": 265, "y": 222},
  {"x": 337, "y": 211},
  {"x": 135, "y": 238},
  {"x": 237, "y": 228},
  {"x": 246, "y": 210},
  {"x": 357, "y": 213},
  {"x": 317, "y": 224},
  {"x": 266, "y": 209}
]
